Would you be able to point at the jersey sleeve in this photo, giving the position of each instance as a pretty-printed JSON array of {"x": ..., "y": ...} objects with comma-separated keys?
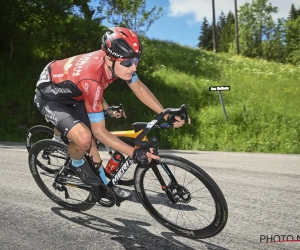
[
  {"x": 92, "y": 96},
  {"x": 134, "y": 78}
]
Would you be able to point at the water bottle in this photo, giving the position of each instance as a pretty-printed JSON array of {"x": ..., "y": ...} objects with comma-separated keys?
[{"x": 113, "y": 163}]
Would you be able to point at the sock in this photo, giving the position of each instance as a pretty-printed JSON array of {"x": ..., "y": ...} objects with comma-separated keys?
[
  {"x": 57, "y": 137},
  {"x": 77, "y": 163},
  {"x": 102, "y": 175}
]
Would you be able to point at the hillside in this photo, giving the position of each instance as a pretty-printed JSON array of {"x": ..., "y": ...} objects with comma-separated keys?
[{"x": 263, "y": 105}]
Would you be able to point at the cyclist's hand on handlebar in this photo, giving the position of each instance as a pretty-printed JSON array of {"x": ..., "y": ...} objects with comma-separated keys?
[
  {"x": 144, "y": 156},
  {"x": 118, "y": 114},
  {"x": 179, "y": 122}
]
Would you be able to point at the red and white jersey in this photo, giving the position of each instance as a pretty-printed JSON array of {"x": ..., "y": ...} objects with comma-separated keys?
[{"x": 80, "y": 77}]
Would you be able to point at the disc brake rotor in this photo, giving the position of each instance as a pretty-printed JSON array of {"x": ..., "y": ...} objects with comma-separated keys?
[{"x": 180, "y": 193}]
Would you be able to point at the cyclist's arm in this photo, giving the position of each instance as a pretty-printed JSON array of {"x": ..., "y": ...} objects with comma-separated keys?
[
  {"x": 145, "y": 95},
  {"x": 93, "y": 95},
  {"x": 104, "y": 104},
  {"x": 100, "y": 132}
]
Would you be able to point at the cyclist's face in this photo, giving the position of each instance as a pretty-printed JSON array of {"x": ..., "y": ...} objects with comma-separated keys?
[{"x": 124, "y": 72}]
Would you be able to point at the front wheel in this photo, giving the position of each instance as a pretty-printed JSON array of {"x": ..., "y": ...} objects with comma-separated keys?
[{"x": 182, "y": 197}]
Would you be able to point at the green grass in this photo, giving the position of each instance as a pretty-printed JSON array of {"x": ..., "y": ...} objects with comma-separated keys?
[{"x": 263, "y": 106}]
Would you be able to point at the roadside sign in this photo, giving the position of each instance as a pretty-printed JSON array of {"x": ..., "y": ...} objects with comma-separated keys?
[{"x": 220, "y": 89}]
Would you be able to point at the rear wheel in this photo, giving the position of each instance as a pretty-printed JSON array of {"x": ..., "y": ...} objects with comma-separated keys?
[
  {"x": 40, "y": 132},
  {"x": 186, "y": 200},
  {"x": 37, "y": 133},
  {"x": 46, "y": 159}
]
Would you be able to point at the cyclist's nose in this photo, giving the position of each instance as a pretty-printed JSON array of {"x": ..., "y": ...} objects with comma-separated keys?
[{"x": 133, "y": 67}]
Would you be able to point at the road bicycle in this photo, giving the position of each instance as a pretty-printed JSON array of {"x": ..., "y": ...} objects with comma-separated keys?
[{"x": 174, "y": 191}]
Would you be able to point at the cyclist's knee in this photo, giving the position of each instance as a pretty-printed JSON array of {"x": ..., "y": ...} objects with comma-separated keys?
[
  {"x": 84, "y": 141},
  {"x": 81, "y": 136}
]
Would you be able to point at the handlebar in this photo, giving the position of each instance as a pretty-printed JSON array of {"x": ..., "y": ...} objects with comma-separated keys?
[
  {"x": 153, "y": 143},
  {"x": 182, "y": 112}
]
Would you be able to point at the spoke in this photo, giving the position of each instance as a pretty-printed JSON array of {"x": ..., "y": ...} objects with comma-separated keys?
[
  {"x": 191, "y": 181},
  {"x": 198, "y": 190},
  {"x": 201, "y": 216},
  {"x": 152, "y": 181},
  {"x": 182, "y": 217},
  {"x": 178, "y": 213},
  {"x": 205, "y": 203},
  {"x": 184, "y": 178},
  {"x": 167, "y": 199},
  {"x": 162, "y": 205},
  {"x": 174, "y": 172},
  {"x": 188, "y": 219},
  {"x": 202, "y": 197},
  {"x": 169, "y": 211}
]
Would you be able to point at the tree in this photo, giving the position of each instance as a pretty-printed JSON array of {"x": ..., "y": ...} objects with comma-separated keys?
[
  {"x": 255, "y": 26},
  {"x": 131, "y": 14},
  {"x": 205, "y": 38},
  {"x": 23, "y": 23},
  {"x": 293, "y": 14},
  {"x": 274, "y": 48},
  {"x": 227, "y": 33},
  {"x": 293, "y": 41},
  {"x": 221, "y": 21}
]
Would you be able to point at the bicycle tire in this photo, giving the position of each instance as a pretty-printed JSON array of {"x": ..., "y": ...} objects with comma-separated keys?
[
  {"x": 219, "y": 215},
  {"x": 36, "y": 130},
  {"x": 38, "y": 147}
]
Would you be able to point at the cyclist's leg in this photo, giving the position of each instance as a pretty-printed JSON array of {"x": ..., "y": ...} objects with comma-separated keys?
[
  {"x": 56, "y": 135},
  {"x": 69, "y": 120},
  {"x": 81, "y": 115},
  {"x": 94, "y": 153}
]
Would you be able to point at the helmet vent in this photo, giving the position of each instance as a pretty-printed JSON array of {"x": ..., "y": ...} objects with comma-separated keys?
[{"x": 123, "y": 33}]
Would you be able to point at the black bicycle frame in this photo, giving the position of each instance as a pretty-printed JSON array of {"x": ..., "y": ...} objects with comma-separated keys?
[{"x": 146, "y": 144}]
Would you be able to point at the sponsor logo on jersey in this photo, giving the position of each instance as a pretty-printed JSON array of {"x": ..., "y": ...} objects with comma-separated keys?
[
  {"x": 82, "y": 60},
  {"x": 56, "y": 91},
  {"x": 67, "y": 66},
  {"x": 97, "y": 95}
]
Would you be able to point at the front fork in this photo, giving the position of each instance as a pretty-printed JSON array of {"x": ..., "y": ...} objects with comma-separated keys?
[{"x": 161, "y": 180}]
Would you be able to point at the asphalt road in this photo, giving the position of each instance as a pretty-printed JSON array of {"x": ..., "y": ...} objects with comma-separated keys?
[{"x": 262, "y": 192}]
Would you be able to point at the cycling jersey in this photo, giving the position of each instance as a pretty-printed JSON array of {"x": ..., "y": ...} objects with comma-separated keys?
[{"x": 80, "y": 77}]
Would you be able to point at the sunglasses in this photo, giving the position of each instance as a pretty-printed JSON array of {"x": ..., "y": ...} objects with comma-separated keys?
[{"x": 129, "y": 62}]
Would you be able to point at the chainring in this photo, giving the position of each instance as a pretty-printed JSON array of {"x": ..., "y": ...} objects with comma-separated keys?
[{"x": 104, "y": 196}]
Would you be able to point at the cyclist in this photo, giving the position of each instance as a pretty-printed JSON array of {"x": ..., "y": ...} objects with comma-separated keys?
[{"x": 69, "y": 94}]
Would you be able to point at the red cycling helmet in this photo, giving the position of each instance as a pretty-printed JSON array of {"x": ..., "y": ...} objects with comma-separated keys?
[{"x": 119, "y": 42}]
